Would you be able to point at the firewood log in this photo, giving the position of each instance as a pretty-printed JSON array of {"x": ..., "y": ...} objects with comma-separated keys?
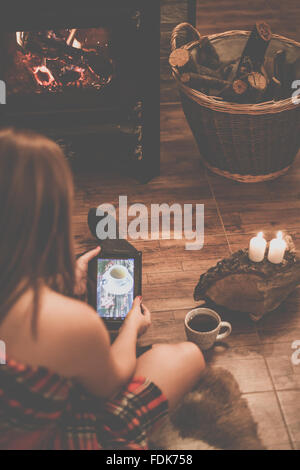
[
  {"x": 258, "y": 85},
  {"x": 254, "y": 52},
  {"x": 228, "y": 70},
  {"x": 280, "y": 65},
  {"x": 208, "y": 55},
  {"x": 234, "y": 92},
  {"x": 239, "y": 87},
  {"x": 187, "y": 60},
  {"x": 282, "y": 71},
  {"x": 269, "y": 67},
  {"x": 200, "y": 66},
  {"x": 273, "y": 91},
  {"x": 179, "y": 58},
  {"x": 248, "y": 89},
  {"x": 279, "y": 86},
  {"x": 203, "y": 82}
]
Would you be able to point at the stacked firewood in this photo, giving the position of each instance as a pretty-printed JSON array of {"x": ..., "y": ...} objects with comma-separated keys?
[{"x": 253, "y": 78}]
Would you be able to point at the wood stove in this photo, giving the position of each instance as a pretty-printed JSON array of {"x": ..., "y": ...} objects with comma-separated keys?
[{"x": 87, "y": 76}]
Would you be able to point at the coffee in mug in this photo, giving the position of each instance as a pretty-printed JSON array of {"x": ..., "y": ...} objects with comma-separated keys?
[{"x": 203, "y": 325}]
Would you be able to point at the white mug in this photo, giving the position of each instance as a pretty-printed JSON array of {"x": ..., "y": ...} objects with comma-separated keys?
[{"x": 206, "y": 339}]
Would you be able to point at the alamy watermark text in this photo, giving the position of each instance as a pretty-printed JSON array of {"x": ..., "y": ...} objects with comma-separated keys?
[{"x": 145, "y": 225}]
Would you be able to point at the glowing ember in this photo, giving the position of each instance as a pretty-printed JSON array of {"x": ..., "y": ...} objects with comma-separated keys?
[
  {"x": 71, "y": 74},
  {"x": 43, "y": 75},
  {"x": 76, "y": 44}
]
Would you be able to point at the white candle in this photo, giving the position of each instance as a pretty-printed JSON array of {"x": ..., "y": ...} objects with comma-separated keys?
[
  {"x": 257, "y": 248},
  {"x": 277, "y": 249}
]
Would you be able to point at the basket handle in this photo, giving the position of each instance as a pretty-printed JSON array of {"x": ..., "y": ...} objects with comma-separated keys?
[{"x": 183, "y": 34}]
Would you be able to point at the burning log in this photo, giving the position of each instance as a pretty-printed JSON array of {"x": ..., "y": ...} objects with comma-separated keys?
[
  {"x": 43, "y": 75},
  {"x": 71, "y": 37},
  {"x": 41, "y": 45},
  {"x": 70, "y": 74}
]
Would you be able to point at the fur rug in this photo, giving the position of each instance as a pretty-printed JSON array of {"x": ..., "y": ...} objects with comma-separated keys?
[{"x": 214, "y": 416}]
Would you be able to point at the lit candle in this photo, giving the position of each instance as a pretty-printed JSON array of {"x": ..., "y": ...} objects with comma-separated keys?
[
  {"x": 277, "y": 249},
  {"x": 257, "y": 248}
]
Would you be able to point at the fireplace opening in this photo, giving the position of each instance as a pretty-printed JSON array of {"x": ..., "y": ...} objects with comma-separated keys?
[
  {"x": 85, "y": 77},
  {"x": 52, "y": 61}
]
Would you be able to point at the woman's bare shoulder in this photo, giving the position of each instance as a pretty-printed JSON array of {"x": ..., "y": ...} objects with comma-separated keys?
[
  {"x": 66, "y": 314},
  {"x": 72, "y": 330},
  {"x": 54, "y": 301},
  {"x": 68, "y": 333}
]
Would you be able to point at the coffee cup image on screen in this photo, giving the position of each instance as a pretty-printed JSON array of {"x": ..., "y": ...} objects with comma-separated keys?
[{"x": 115, "y": 287}]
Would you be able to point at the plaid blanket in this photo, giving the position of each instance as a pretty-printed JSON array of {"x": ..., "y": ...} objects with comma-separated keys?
[{"x": 42, "y": 410}]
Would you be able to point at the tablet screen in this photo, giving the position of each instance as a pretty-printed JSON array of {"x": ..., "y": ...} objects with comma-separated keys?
[{"x": 115, "y": 287}]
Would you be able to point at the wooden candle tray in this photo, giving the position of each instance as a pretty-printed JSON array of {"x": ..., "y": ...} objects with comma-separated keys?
[{"x": 241, "y": 285}]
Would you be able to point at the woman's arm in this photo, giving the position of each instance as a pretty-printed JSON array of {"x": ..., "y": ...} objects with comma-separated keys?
[
  {"x": 88, "y": 357},
  {"x": 123, "y": 349}
]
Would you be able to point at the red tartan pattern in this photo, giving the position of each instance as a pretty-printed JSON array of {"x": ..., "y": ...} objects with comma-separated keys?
[{"x": 42, "y": 410}]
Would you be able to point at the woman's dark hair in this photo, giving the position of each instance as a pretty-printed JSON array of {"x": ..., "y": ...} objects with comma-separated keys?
[{"x": 36, "y": 244}]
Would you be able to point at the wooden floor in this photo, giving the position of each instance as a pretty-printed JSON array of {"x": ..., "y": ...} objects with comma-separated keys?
[{"x": 259, "y": 355}]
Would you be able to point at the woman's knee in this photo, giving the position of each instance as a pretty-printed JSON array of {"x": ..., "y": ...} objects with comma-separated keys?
[
  {"x": 192, "y": 353},
  {"x": 174, "y": 368},
  {"x": 185, "y": 352}
]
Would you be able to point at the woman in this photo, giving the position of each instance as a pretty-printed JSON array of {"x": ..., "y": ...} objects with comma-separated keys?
[{"x": 64, "y": 385}]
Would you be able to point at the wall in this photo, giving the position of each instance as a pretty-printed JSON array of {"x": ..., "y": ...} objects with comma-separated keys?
[{"x": 216, "y": 16}]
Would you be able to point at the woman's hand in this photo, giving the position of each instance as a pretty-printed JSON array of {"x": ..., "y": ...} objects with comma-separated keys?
[
  {"x": 139, "y": 317},
  {"x": 82, "y": 265}
]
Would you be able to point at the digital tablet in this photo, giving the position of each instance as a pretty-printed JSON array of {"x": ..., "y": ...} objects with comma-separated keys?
[{"x": 115, "y": 281}]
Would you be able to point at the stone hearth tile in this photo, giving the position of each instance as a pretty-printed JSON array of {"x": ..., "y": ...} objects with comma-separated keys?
[
  {"x": 271, "y": 427},
  {"x": 285, "y": 374},
  {"x": 251, "y": 374},
  {"x": 290, "y": 404}
]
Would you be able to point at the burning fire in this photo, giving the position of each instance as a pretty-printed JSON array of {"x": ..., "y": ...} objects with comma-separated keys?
[
  {"x": 43, "y": 75},
  {"x": 55, "y": 65}
]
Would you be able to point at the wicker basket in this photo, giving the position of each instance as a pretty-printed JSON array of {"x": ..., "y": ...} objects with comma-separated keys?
[{"x": 245, "y": 142}]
